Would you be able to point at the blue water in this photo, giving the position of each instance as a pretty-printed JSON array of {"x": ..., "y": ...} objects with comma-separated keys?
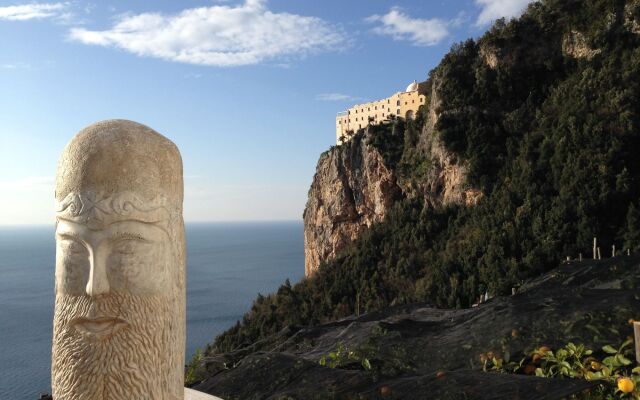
[{"x": 228, "y": 265}]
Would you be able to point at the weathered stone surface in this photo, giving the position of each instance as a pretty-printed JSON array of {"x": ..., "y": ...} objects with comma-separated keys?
[
  {"x": 417, "y": 349},
  {"x": 490, "y": 55},
  {"x": 352, "y": 189},
  {"x": 632, "y": 16},
  {"x": 190, "y": 394},
  {"x": 574, "y": 44},
  {"x": 119, "y": 323},
  {"x": 445, "y": 182}
]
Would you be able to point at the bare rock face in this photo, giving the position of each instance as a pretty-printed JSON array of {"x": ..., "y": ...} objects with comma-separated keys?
[
  {"x": 490, "y": 56},
  {"x": 352, "y": 189},
  {"x": 446, "y": 180},
  {"x": 632, "y": 16},
  {"x": 575, "y": 45}
]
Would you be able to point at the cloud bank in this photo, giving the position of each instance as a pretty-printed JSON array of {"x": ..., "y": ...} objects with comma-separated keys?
[
  {"x": 336, "y": 97},
  {"x": 491, "y": 10},
  {"x": 220, "y": 35},
  {"x": 400, "y": 26},
  {"x": 26, "y": 12}
]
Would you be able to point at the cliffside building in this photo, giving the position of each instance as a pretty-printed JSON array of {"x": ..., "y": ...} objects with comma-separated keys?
[{"x": 402, "y": 104}]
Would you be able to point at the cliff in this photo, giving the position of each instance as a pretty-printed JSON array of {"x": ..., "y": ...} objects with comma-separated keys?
[
  {"x": 354, "y": 186},
  {"x": 352, "y": 189}
]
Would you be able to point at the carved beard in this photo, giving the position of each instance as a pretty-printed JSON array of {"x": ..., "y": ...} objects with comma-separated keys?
[{"x": 136, "y": 362}]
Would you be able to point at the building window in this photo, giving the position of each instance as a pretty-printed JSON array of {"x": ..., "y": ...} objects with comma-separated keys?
[
  {"x": 356, "y": 111},
  {"x": 405, "y": 103},
  {"x": 398, "y": 102},
  {"x": 398, "y": 113},
  {"x": 413, "y": 101},
  {"x": 359, "y": 126}
]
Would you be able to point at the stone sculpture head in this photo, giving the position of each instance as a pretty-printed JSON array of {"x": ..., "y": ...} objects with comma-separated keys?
[{"x": 119, "y": 323}]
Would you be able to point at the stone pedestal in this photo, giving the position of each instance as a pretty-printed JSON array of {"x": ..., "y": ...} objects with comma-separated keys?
[{"x": 190, "y": 394}]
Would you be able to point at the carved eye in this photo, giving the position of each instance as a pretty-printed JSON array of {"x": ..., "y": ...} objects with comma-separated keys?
[
  {"x": 74, "y": 248},
  {"x": 125, "y": 246}
]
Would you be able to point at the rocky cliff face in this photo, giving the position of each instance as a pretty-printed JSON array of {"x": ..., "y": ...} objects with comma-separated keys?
[
  {"x": 353, "y": 188},
  {"x": 445, "y": 182}
]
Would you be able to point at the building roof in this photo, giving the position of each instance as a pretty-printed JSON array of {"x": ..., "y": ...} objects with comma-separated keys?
[{"x": 412, "y": 87}]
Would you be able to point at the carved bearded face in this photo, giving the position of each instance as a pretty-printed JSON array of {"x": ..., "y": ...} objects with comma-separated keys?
[{"x": 119, "y": 315}]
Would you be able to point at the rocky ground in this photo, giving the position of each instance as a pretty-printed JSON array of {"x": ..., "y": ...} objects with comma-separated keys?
[{"x": 420, "y": 352}]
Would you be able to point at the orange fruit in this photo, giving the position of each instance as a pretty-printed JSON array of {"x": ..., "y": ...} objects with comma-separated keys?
[
  {"x": 385, "y": 391},
  {"x": 626, "y": 385},
  {"x": 596, "y": 366}
]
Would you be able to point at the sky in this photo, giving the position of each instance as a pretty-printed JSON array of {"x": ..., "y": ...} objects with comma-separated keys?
[{"x": 247, "y": 89}]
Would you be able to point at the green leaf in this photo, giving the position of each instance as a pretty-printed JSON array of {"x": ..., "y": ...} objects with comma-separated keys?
[
  {"x": 366, "y": 364},
  {"x": 610, "y": 350},
  {"x": 622, "y": 359},
  {"x": 625, "y": 344}
]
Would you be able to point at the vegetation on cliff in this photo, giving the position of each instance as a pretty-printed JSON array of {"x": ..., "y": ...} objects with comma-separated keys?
[{"x": 550, "y": 139}]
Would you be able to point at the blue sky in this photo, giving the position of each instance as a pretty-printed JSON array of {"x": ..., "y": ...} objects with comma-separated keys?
[{"x": 247, "y": 89}]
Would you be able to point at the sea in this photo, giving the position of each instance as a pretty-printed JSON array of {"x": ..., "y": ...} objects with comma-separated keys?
[{"x": 228, "y": 264}]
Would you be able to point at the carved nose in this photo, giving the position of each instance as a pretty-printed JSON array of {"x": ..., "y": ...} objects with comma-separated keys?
[{"x": 98, "y": 283}]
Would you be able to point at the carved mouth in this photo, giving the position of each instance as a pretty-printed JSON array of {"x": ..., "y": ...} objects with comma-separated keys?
[{"x": 98, "y": 328}]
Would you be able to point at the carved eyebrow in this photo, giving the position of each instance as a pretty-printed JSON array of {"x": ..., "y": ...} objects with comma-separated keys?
[
  {"x": 128, "y": 235},
  {"x": 69, "y": 235}
]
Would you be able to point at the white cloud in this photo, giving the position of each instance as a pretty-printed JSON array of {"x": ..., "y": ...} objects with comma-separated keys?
[
  {"x": 492, "y": 10},
  {"x": 420, "y": 32},
  {"x": 219, "y": 35},
  {"x": 336, "y": 97},
  {"x": 18, "y": 65},
  {"x": 26, "y": 12}
]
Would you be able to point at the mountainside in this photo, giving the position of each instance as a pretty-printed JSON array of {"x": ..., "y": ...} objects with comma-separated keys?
[{"x": 526, "y": 151}]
